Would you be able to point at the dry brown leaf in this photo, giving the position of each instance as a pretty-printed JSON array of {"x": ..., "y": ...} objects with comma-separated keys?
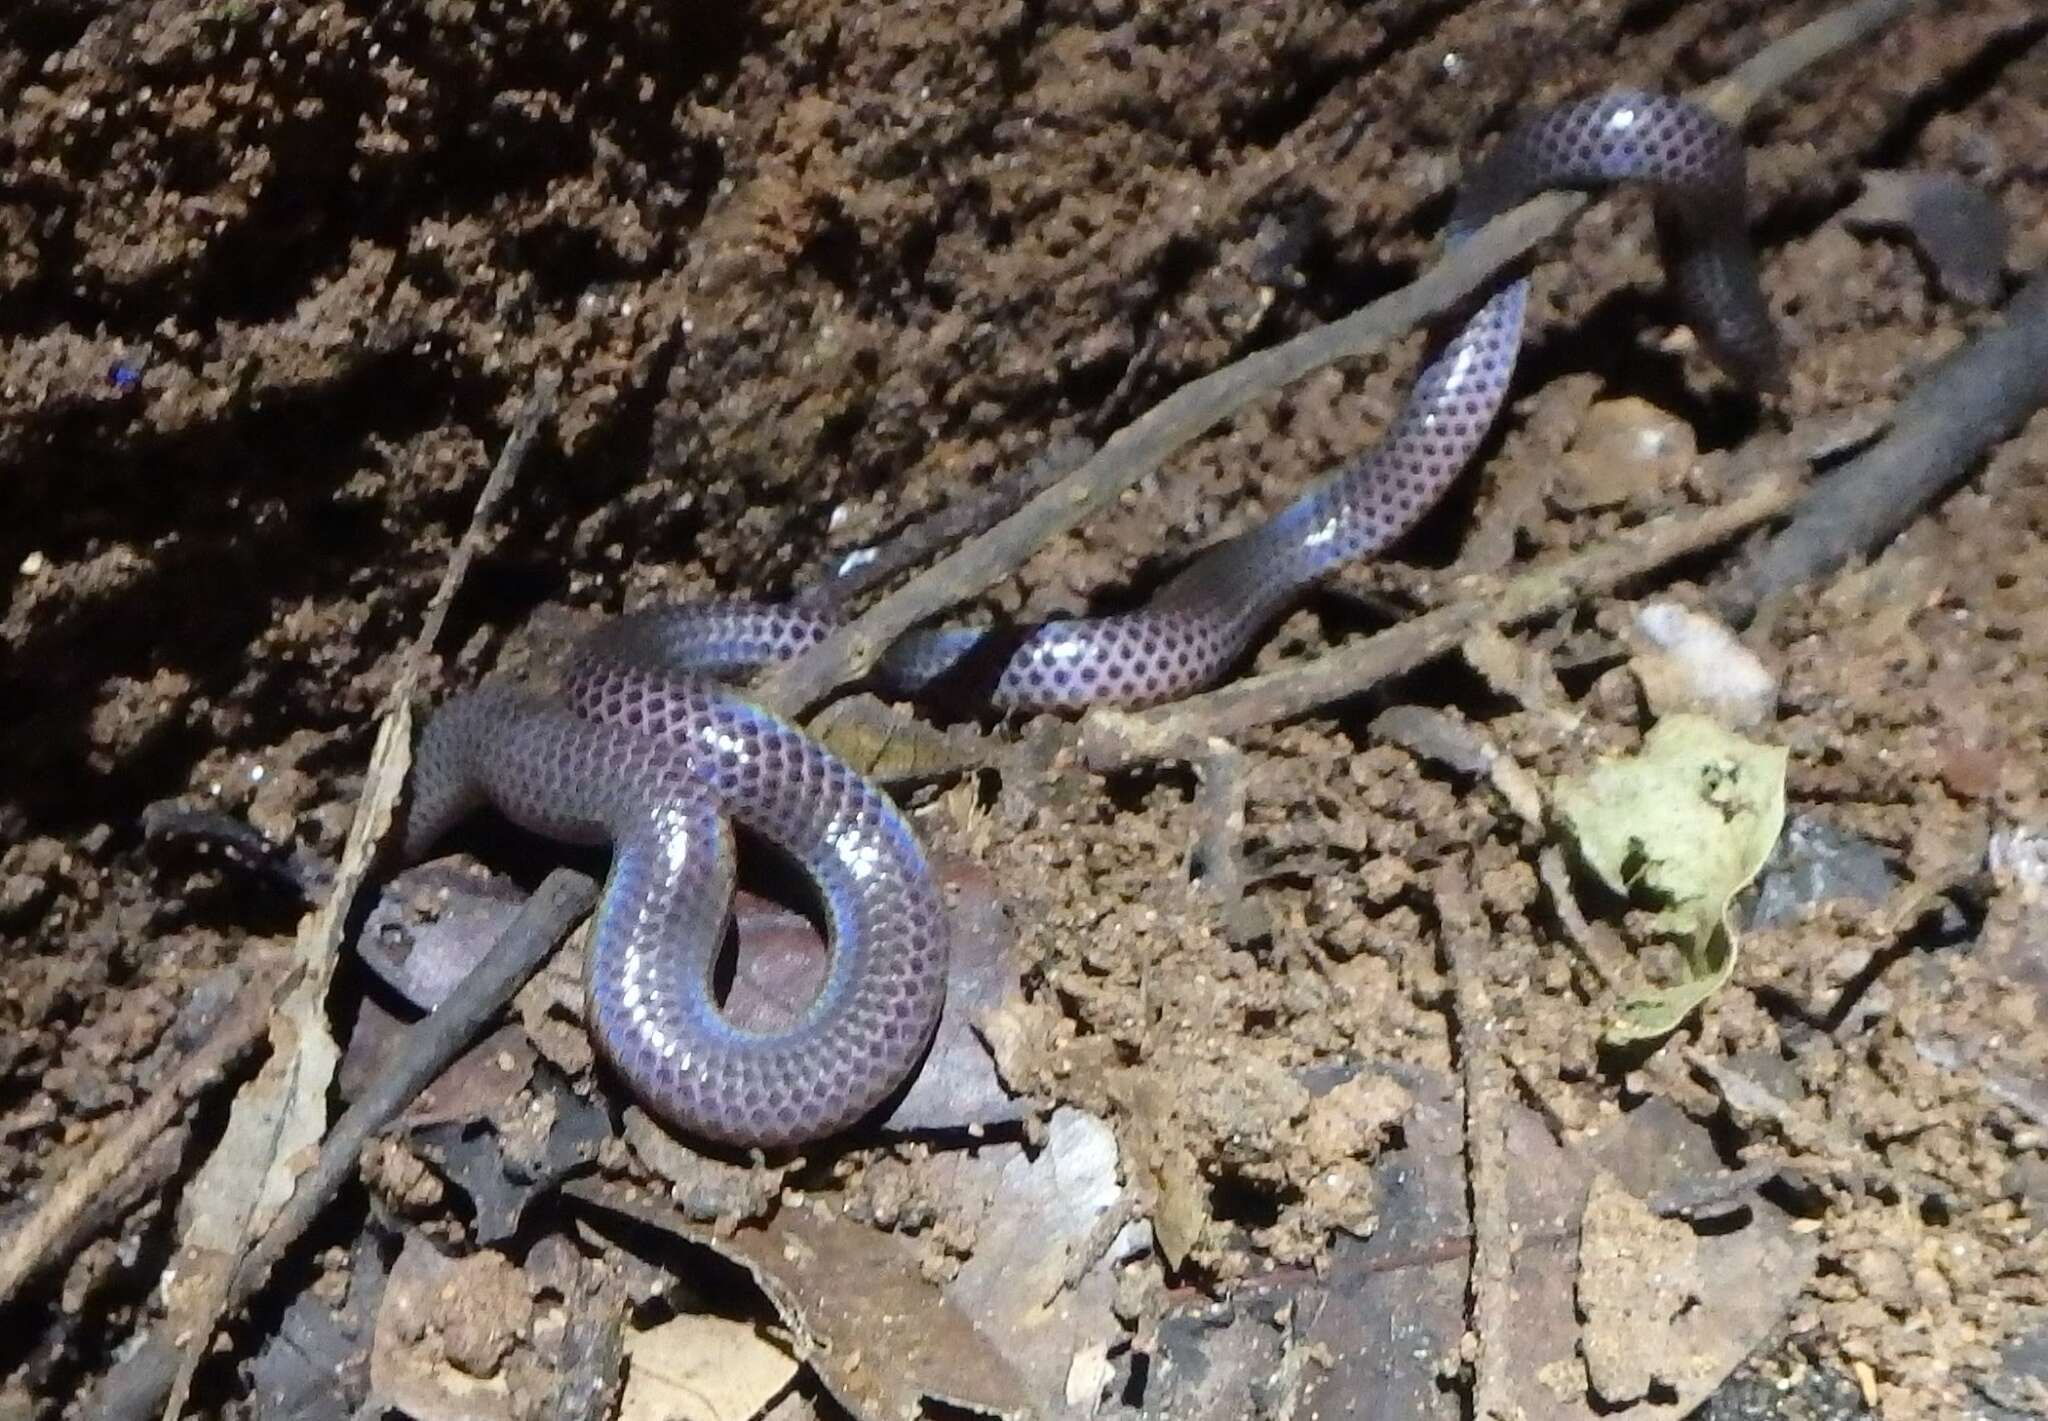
[{"x": 703, "y": 1368}]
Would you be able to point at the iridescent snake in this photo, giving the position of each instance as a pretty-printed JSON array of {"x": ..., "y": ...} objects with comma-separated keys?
[{"x": 647, "y": 750}]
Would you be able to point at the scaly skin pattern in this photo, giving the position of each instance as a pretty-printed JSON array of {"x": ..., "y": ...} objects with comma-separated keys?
[
  {"x": 653, "y": 755},
  {"x": 654, "y": 763}
]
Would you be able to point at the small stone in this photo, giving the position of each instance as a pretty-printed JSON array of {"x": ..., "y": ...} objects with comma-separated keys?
[
  {"x": 1814, "y": 862},
  {"x": 1623, "y": 449},
  {"x": 1971, "y": 772},
  {"x": 1694, "y": 663},
  {"x": 1957, "y": 225}
]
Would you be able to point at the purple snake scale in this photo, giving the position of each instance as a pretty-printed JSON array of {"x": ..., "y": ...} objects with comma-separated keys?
[{"x": 652, "y": 754}]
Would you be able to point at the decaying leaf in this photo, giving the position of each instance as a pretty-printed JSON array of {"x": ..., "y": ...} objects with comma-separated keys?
[
  {"x": 1635, "y": 1276},
  {"x": 1620, "y": 1313},
  {"x": 702, "y": 1368},
  {"x": 1052, "y": 1234},
  {"x": 879, "y": 1334},
  {"x": 1684, "y": 823},
  {"x": 506, "y": 1159},
  {"x": 1384, "y": 1315},
  {"x": 1671, "y": 1312}
]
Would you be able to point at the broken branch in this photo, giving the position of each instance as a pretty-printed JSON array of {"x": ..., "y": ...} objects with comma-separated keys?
[{"x": 1972, "y": 400}]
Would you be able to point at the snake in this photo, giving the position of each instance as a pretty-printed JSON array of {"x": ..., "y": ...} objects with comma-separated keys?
[{"x": 649, "y": 748}]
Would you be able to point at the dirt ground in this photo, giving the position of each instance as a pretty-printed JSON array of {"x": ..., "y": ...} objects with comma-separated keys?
[{"x": 275, "y": 277}]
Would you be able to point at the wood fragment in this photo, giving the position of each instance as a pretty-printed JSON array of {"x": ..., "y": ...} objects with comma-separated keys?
[
  {"x": 1466, "y": 943},
  {"x": 1218, "y": 857},
  {"x": 1969, "y": 402}
]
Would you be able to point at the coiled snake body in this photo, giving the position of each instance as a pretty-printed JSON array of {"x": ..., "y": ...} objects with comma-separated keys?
[{"x": 651, "y": 753}]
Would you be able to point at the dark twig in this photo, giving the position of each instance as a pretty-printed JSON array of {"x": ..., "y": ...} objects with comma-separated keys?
[
  {"x": 1966, "y": 404},
  {"x": 135, "y": 1387},
  {"x": 290, "y": 867},
  {"x": 431, "y": 1045},
  {"x": 526, "y": 426}
]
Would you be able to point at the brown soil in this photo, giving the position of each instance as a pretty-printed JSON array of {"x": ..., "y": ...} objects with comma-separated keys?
[{"x": 275, "y": 276}]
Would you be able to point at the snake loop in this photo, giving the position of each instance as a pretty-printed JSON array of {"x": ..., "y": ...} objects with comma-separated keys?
[{"x": 652, "y": 754}]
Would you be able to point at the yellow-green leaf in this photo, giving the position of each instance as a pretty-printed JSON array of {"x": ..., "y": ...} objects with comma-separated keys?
[{"x": 1684, "y": 824}]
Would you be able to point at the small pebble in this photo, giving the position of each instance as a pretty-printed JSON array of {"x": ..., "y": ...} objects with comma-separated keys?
[
  {"x": 1971, "y": 772},
  {"x": 1622, "y": 449},
  {"x": 1694, "y": 663},
  {"x": 1956, "y": 225}
]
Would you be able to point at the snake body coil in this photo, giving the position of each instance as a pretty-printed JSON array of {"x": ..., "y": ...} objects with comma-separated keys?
[{"x": 652, "y": 753}]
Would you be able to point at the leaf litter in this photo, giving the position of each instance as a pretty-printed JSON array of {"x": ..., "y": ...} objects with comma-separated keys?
[
  {"x": 1686, "y": 824},
  {"x": 1884, "y": 1092}
]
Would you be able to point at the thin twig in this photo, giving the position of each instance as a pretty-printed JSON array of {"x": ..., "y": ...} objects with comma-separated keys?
[
  {"x": 1767, "y": 71},
  {"x": 1966, "y": 404},
  {"x": 960, "y": 518},
  {"x": 1200, "y": 405},
  {"x": 1602, "y": 956},
  {"x": 289, "y": 866},
  {"x": 134, "y": 1386},
  {"x": 526, "y": 427},
  {"x": 1712, "y": 1195},
  {"x": 65, "y": 1217},
  {"x": 1219, "y": 805},
  {"x": 1111, "y": 738},
  {"x": 1467, "y": 943},
  {"x": 283, "y": 1110}
]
